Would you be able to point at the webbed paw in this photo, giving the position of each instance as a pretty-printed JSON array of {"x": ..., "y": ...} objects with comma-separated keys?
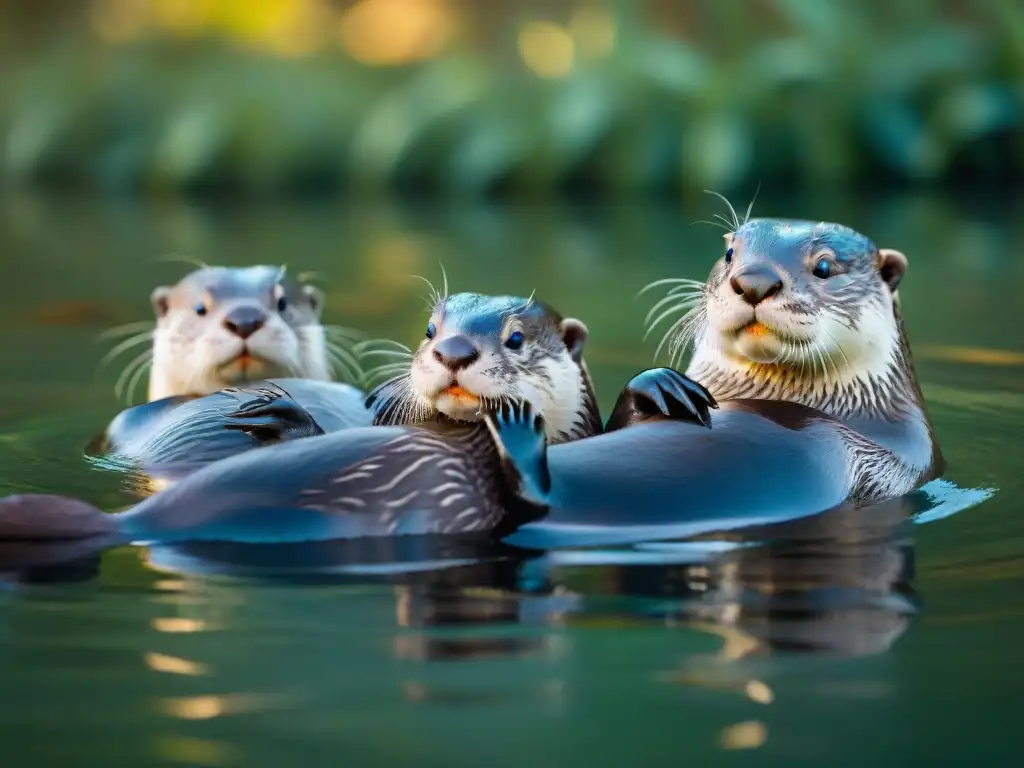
[
  {"x": 673, "y": 394},
  {"x": 518, "y": 431},
  {"x": 272, "y": 417},
  {"x": 665, "y": 392}
]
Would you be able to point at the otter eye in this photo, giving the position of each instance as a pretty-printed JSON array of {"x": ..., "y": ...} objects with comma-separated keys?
[
  {"x": 728, "y": 256},
  {"x": 431, "y": 330},
  {"x": 282, "y": 304},
  {"x": 823, "y": 269},
  {"x": 515, "y": 340},
  {"x": 200, "y": 309}
]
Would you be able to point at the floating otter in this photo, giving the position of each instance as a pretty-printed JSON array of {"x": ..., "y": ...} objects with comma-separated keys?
[
  {"x": 216, "y": 328},
  {"x": 801, "y": 343},
  {"x": 441, "y": 476},
  {"x": 656, "y": 472}
]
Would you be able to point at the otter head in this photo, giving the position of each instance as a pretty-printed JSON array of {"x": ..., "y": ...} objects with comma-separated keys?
[
  {"x": 221, "y": 326},
  {"x": 478, "y": 351},
  {"x": 800, "y": 306}
]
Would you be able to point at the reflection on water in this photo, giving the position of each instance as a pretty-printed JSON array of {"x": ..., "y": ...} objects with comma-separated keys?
[{"x": 792, "y": 641}]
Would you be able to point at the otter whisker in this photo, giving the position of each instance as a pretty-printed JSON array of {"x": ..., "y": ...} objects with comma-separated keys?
[
  {"x": 444, "y": 276},
  {"x": 123, "y": 330},
  {"x": 344, "y": 360},
  {"x": 435, "y": 297},
  {"x": 392, "y": 342},
  {"x": 388, "y": 353},
  {"x": 128, "y": 371},
  {"x": 689, "y": 326},
  {"x": 194, "y": 261},
  {"x": 680, "y": 303},
  {"x": 838, "y": 347},
  {"x": 396, "y": 402},
  {"x": 136, "y": 378},
  {"x": 667, "y": 313},
  {"x": 124, "y": 346},
  {"x": 750, "y": 207},
  {"x": 675, "y": 336},
  {"x": 735, "y": 218},
  {"x": 344, "y": 332},
  {"x": 714, "y": 224},
  {"x": 310, "y": 276},
  {"x": 669, "y": 281}
]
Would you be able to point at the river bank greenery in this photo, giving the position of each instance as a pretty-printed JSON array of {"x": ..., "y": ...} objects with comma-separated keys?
[{"x": 442, "y": 96}]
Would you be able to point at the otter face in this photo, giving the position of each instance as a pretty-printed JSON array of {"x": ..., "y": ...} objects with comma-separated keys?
[
  {"x": 479, "y": 350},
  {"x": 809, "y": 296},
  {"x": 221, "y": 326}
]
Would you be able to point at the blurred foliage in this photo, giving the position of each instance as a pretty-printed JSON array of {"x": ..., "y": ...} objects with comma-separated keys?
[{"x": 272, "y": 96}]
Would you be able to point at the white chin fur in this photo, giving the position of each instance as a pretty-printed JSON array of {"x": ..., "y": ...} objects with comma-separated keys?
[
  {"x": 560, "y": 403},
  {"x": 758, "y": 349},
  {"x": 458, "y": 408},
  {"x": 209, "y": 362}
]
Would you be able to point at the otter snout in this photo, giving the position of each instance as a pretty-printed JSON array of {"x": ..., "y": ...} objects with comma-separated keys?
[
  {"x": 456, "y": 352},
  {"x": 244, "y": 321},
  {"x": 756, "y": 282}
]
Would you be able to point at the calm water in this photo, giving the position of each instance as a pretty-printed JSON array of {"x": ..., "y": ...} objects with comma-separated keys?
[{"x": 837, "y": 640}]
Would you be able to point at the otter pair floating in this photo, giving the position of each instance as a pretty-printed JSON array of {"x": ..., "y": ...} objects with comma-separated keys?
[{"x": 798, "y": 335}]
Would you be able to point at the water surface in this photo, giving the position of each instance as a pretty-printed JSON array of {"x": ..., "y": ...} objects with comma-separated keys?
[{"x": 841, "y": 640}]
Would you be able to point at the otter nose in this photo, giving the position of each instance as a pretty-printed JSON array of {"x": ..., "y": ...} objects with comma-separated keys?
[
  {"x": 455, "y": 352},
  {"x": 244, "y": 321},
  {"x": 756, "y": 282}
]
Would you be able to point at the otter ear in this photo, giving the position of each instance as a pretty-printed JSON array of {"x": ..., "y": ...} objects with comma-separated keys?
[
  {"x": 160, "y": 299},
  {"x": 892, "y": 265},
  {"x": 315, "y": 297},
  {"x": 574, "y": 334}
]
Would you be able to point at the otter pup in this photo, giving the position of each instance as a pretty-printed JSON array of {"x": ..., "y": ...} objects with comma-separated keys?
[{"x": 218, "y": 327}]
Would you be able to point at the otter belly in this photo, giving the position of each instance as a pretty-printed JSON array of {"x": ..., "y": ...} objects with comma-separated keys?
[
  {"x": 162, "y": 441},
  {"x": 666, "y": 479},
  {"x": 358, "y": 483}
]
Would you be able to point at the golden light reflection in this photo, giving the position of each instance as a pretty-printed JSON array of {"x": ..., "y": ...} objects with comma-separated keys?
[
  {"x": 593, "y": 29},
  {"x": 547, "y": 49},
  {"x": 178, "y": 625},
  {"x": 209, "y": 707},
  {"x": 170, "y": 585},
  {"x": 972, "y": 355},
  {"x": 194, "y": 708},
  {"x": 759, "y": 692},
  {"x": 180, "y": 749},
  {"x": 158, "y": 662},
  {"x": 748, "y": 735},
  {"x": 392, "y": 32}
]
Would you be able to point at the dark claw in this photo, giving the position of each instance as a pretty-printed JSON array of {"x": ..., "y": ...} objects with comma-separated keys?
[
  {"x": 665, "y": 392},
  {"x": 273, "y": 419}
]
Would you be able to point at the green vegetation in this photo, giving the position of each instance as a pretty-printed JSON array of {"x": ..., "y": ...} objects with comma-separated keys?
[{"x": 736, "y": 93}]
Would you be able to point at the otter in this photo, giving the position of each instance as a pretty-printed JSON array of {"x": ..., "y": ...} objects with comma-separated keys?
[
  {"x": 661, "y": 469},
  {"x": 802, "y": 346},
  {"x": 218, "y": 329},
  {"x": 220, "y": 326},
  {"x": 440, "y": 475}
]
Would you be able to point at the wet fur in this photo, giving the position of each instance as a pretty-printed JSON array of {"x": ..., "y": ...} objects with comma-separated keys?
[
  {"x": 838, "y": 345},
  {"x": 190, "y": 351},
  {"x": 543, "y": 371}
]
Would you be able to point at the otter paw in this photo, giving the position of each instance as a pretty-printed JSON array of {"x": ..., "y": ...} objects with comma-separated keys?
[
  {"x": 273, "y": 419},
  {"x": 673, "y": 395},
  {"x": 519, "y": 433}
]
